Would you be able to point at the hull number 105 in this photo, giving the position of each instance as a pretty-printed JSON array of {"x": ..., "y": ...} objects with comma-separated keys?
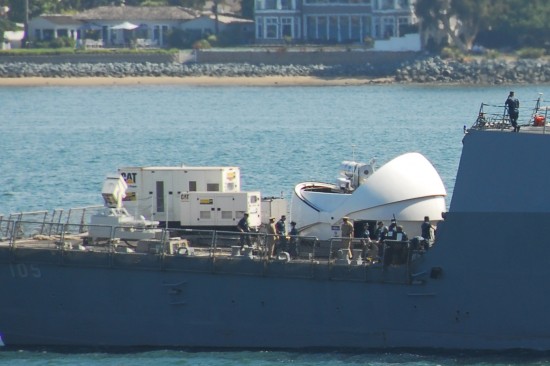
[{"x": 22, "y": 270}]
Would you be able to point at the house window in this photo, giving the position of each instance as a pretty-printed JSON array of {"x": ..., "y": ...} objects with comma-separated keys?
[
  {"x": 63, "y": 32},
  {"x": 47, "y": 34},
  {"x": 286, "y": 4},
  {"x": 405, "y": 26},
  {"x": 386, "y": 5},
  {"x": 156, "y": 32},
  {"x": 286, "y": 27},
  {"x": 366, "y": 26},
  {"x": 376, "y": 28},
  {"x": 271, "y": 28},
  {"x": 297, "y": 32},
  {"x": 141, "y": 31},
  {"x": 270, "y": 4},
  {"x": 355, "y": 28},
  {"x": 105, "y": 33},
  {"x": 345, "y": 27},
  {"x": 388, "y": 27},
  {"x": 322, "y": 28},
  {"x": 311, "y": 28},
  {"x": 333, "y": 28}
]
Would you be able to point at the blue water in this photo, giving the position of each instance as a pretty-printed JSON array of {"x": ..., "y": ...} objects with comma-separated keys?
[{"x": 58, "y": 144}]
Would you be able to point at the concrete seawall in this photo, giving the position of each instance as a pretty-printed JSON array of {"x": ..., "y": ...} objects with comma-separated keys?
[
  {"x": 89, "y": 58},
  {"x": 319, "y": 57}
]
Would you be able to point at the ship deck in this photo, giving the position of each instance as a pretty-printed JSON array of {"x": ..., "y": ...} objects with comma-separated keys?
[{"x": 315, "y": 260}]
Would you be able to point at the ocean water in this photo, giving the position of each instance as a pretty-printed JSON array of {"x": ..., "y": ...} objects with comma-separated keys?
[{"x": 59, "y": 143}]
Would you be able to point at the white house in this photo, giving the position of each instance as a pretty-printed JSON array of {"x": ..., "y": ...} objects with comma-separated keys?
[
  {"x": 122, "y": 26},
  {"x": 113, "y": 26},
  {"x": 47, "y": 27}
]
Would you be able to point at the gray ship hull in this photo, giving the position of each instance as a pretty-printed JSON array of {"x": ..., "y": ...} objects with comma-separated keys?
[{"x": 482, "y": 286}]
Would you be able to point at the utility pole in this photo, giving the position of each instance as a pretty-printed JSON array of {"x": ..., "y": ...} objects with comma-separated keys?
[{"x": 215, "y": 11}]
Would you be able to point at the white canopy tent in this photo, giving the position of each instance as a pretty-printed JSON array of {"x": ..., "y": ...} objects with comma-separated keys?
[{"x": 125, "y": 25}]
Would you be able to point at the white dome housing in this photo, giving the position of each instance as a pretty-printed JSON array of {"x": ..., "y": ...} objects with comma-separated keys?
[{"x": 407, "y": 188}]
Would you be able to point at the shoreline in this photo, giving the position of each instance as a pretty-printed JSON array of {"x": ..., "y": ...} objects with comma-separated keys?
[{"x": 193, "y": 81}]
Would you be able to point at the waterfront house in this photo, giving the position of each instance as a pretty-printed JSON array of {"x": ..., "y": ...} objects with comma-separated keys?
[
  {"x": 388, "y": 25},
  {"x": 50, "y": 26},
  {"x": 136, "y": 26},
  {"x": 113, "y": 26},
  {"x": 148, "y": 25}
]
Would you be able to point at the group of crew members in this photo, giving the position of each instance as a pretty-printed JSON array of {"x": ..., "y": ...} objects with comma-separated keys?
[
  {"x": 381, "y": 245},
  {"x": 278, "y": 240},
  {"x": 386, "y": 243}
]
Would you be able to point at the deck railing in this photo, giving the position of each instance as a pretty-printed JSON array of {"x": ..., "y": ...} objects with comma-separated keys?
[
  {"x": 207, "y": 250},
  {"x": 495, "y": 117}
]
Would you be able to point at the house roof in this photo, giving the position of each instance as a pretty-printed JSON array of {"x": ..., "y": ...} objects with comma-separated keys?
[
  {"x": 137, "y": 12},
  {"x": 61, "y": 19}
]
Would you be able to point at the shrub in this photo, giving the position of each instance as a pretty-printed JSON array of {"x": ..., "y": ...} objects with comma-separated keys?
[
  {"x": 212, "y": 39},
  {"x": 531, "y": 52},
  {"x": 492, "y": 54},
  {"x": 451, "y": 52},
  {"x": 57, "y": 43},
  {"x": 369, "y": 42},
  {"x": 201, "y": 44}
]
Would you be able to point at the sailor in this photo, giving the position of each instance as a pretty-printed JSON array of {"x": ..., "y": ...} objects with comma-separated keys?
[
  {"x": 400, "y": 234},
  {"x": 347, "y": 234},
  {"x": 293, "y": 243},
  {"x": 380, "y": 232},
  {"x": 392, "y": 229},
  {"x": 512, "y": 104},
  {"x": 243, "y": 227},
  {"x": 399, "y": 251},
  {"x": 370, "y": 249},
  {"x": 427, "y": 230},
  {"x": 365, "y": 239},
  {"x": 281, "y": 232},
  {"x": 271, "y": 237}
]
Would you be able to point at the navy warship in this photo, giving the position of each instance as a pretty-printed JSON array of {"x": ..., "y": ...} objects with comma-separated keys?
[{"x": 121, "y": 280}]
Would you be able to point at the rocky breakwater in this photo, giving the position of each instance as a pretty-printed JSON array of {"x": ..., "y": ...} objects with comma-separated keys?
[
  {"x": 147, "y": 69},
  {"x": 477, "y": 71},
  {"x": 425, "y": 70}
]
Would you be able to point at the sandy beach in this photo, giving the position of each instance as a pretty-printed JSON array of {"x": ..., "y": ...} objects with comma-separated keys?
[{"x": 194, "y": 81}]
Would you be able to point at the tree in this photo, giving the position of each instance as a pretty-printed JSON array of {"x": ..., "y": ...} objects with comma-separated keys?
[
  {"x": 456, "y": 21},
  {"x": 519, "y": 25}
]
